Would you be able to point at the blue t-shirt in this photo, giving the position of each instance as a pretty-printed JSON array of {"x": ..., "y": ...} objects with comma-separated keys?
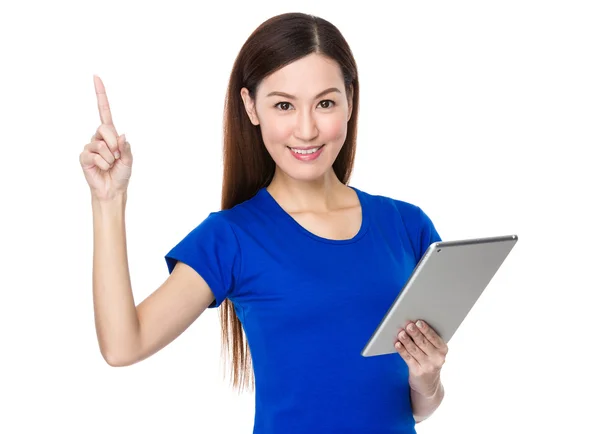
[{"x": 308, "y": 306}]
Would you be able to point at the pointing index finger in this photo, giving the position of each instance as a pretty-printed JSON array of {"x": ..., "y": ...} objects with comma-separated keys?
[{"x": 103, "y": 106}]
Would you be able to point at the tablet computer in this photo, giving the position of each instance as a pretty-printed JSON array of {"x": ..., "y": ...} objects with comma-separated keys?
[{"x": 442, "y": 289}]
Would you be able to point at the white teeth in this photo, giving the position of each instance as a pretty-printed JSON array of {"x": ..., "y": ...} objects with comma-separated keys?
[{"x": 305, "y": 152}]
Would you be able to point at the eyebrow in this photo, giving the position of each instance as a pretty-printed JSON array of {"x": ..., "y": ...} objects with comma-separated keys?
[{"x": 287, "y": 95}]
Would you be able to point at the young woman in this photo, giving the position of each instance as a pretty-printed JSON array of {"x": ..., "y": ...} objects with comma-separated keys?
[{"x": 300, "y": 263}]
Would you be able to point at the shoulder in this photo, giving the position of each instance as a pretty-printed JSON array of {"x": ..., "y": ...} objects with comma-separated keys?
[
  {"x": 237, "y": 217},
  {"x": 387, "y": 206},
  {"x": 405, "y": 216}
]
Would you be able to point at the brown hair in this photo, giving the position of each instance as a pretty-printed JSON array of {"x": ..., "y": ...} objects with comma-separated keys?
[{"x": 247, "y": 165}]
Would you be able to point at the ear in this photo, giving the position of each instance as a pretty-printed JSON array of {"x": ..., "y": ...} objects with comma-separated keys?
[
  {"x": 350, "y": 99},
  {"x": 249, "y": 105}
]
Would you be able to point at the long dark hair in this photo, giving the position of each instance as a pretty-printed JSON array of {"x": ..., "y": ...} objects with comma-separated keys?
[{"x": 247, "y": 165}]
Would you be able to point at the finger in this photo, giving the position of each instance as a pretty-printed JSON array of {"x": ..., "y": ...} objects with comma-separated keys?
[
  {"x": 420, "y": 340},
  {"x": 101, "y": 148},
  {"x": 103, "y": 106},
  {"x": 432, "y": 336},
  {"x": 410, "y": 360},
  {"x": 90, "y": 159},
  {"x": 107, "y": 134},
  {"x": 101, "y": 162},
  {"x": 411, "y": 347},
  {"x": 86, "y": 158}
]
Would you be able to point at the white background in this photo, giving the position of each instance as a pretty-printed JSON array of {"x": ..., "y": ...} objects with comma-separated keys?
[{"x": 485, "y": 114}]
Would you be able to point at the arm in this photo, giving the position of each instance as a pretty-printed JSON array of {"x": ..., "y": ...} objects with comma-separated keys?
[
  {"x": 424, "y": 406},
  {"x": 126, "y": 333}
]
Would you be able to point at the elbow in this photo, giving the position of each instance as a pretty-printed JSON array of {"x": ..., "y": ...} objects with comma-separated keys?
[
  {"x": 114, "y": 360},
  {"x": 118, "y": 354}
]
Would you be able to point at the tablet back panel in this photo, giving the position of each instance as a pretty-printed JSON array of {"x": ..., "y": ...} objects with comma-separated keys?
[{"x": 442, "y": 289}]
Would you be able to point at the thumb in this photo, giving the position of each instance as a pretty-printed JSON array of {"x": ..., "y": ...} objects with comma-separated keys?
[{"x": 124, "y": 150}]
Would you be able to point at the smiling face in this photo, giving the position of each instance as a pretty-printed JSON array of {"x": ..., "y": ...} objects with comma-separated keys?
[{"x": 303, "y": 112}]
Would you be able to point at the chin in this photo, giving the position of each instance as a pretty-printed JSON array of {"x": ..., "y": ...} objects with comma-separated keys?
[{"x": 306, "y": 176}]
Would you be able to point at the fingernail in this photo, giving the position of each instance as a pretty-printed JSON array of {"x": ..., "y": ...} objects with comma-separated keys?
[
  {"x": 411, "y": 328},
  {"x": 117, "y": 155},
  {"x": 419, "y": 324}
]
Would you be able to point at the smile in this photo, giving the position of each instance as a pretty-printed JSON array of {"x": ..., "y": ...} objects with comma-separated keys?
[
  {"x": 307, "y": 154},
  {"x": 306, "y": 151}
]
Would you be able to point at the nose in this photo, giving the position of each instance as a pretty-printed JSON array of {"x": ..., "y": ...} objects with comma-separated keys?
[{"x": 306, "y": 126}]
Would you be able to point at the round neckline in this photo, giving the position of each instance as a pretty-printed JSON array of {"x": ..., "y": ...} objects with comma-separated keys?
[{"x": 293, "y": 223}]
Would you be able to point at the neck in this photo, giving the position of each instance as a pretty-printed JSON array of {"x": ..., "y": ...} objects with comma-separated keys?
[{"x": 318, "y": 195}]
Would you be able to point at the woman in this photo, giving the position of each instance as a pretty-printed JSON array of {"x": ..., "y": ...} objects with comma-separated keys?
[{"x": 300, "y": 263}]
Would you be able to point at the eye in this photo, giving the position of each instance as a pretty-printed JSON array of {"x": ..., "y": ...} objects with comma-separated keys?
[
  {"x": 283, "y": 106},
  {"x": 329, "y": 102}
]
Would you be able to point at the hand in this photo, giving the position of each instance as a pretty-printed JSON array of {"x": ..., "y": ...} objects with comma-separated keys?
[
  {"x": 107, "y": 160},
  {"x": 424, "y": 352}
]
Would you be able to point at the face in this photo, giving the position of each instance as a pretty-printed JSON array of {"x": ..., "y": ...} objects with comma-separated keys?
[{"x": 303, "y": 112}]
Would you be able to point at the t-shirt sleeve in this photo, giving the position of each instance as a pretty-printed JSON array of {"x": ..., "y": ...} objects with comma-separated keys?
[
  {"x": 428, "y": 233},
  {"x": 213, "y": 251}
]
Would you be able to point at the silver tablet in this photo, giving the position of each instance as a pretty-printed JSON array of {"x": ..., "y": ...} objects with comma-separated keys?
[{"x": 442, "y": 288}]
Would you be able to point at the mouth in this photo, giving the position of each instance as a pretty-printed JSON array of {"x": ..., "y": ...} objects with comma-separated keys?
[
  {"x": 306, "y": 151},
  {"x": 306, "y": 154}
]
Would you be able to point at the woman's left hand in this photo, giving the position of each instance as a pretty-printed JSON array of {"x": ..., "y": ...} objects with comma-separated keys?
[{"x": 424, "y": 352}]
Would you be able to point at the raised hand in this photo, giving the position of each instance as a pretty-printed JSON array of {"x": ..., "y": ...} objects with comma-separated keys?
[{"x": 107, "y": 160}]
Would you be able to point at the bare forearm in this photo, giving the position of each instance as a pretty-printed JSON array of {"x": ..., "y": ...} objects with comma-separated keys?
[
  {"x": 424, "y": 406},
  {"x": 117, "y": 324}
]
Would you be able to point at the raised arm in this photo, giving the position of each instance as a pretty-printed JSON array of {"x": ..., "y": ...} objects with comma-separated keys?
[{"x": 128, "y": 333}]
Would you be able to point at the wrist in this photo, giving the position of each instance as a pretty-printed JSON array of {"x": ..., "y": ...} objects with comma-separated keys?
[
  {"x": 114, "y": 200},
  {"x": 430, "y": 391},
  {"x": 108, "y": 207}
]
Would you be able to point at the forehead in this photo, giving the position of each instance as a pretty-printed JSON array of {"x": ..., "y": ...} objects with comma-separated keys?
[{"x": 304, "y": 77}]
